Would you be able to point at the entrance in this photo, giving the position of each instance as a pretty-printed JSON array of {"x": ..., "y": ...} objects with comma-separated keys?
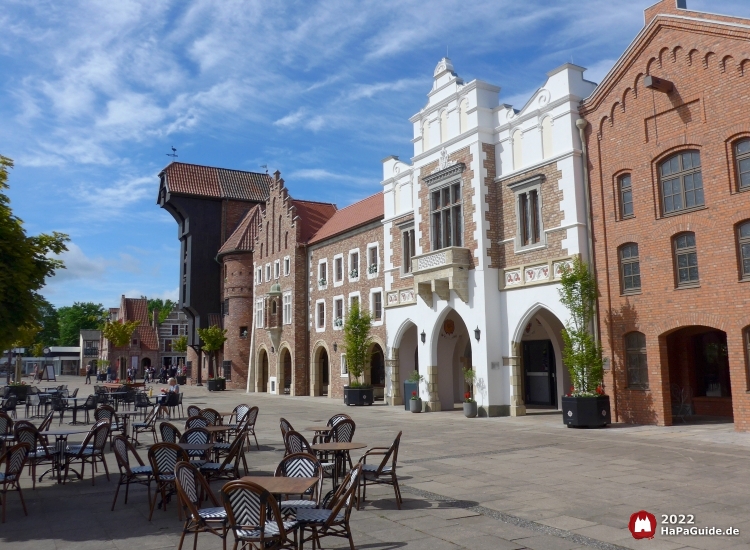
[
  {"x": 539, "y": 373},
  {"x": 286, "y": 362},
  {"x": 263, "y": 371},
  {"x": 324, "y": 372}
]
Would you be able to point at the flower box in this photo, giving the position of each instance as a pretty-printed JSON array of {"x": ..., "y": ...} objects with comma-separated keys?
[
  {"x": 217, "y": 384},
  {"x": 372, "y": 269},
  {"x": 358, "y": 396},
  {"x": 586, "y": 412}
]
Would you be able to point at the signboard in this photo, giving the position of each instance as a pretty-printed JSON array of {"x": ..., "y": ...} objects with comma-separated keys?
[{"x": 49, "y": 373}]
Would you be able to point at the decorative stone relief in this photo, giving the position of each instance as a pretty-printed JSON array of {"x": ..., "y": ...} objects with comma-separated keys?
[
  {"x": 433, "y": 260},
  {"x": 407, "y": 296},
  {"x": 544, "y": 97},
  {"x": 513, "y": 278},
  {"x": 444, "y": 161},
  {"x": 536, "y": 273},
  {"x": 557, "y": 268}
]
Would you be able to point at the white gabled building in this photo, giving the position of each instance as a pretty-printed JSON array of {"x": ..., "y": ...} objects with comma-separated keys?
[{"x": 476, "y": 229}]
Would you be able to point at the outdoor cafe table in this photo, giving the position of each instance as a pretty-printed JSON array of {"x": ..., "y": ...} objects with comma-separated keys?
[
  {"x": 321, "y": 430},
  {"x": 205, "y": 448},
  {"x": 75, "y": 409},
  {"x": 61, "y": 443},
  {"x": 283, "y": 485},
  {"x": 219, "y": 428},
  {"x": 339, "y": 448}
]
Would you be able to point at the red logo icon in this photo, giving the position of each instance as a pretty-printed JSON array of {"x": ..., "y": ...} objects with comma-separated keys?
[{"x": 642, "y": 525}]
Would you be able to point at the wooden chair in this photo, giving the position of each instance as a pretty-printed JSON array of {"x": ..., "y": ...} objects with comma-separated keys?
[
  {"x": 147, "y": 426},
  {"x": 14, "y": 459},
  {"x": 229, "y": 468},
  {"x": 9, "y": 405},
  {"x": 142, "y": 473},
  {"x": 192, "y": 410},
  {"x": 382, "y": 474},
  {"x": 197, "y": 436},
  {"x": 211, "y": 415},
  {"x": 39, "y": 452},
  {"x": 252, "y": 418},
  {"x": 343, "y": 431},
  {"x": 295, "y": 443},
  {"x": 285, "y": 426},
  {"x": 90, "y": 451},
  {"x": 163, "y": 458},
  {"x": 6, "y": 429},
  {"x": 301, "y": 465},
  {"x": 196, "y": 422},
  {"x": 169, "y": 433},
  {"x": 193, "y": 490}
]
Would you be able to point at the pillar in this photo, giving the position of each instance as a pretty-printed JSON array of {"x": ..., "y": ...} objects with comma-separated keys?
[
  {"x": 394, "y": 379},
  {"x": 433, "y": 400},
  {"x": 517, "y": 405}
]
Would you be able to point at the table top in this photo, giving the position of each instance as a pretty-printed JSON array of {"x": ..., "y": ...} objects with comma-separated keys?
[
  {"x": 219, "y": 428},
  {"x": 283, "y": 485},
  {"x": 319, "y": 428},
  {"x": 338, "y": 446},
  {"x": 65, "y": 431}
]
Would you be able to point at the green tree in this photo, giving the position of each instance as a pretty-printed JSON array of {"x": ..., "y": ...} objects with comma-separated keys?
[
  {"x": 163, "y": 306},
  {"x": 81, "y": 315},
  {"x": 49, "y": 320},
  {"x": 119, "y": 334},
  {"x": 180, "y": 344},
  {"x": 25, "y": 265},
  {"x": 582, "y": 355},
  {"x": 213, "y": 339},
  {"x": 357, "y": 342}
]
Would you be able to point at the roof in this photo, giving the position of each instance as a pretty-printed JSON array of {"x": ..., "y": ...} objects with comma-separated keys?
[
  {"x": 242, "y": 239},
  {"x": 356, "y": 215},
  {"x": 136, "y": 309},
  {"x": 220, "y": 183},
  {"x": 312, "y": 216}
]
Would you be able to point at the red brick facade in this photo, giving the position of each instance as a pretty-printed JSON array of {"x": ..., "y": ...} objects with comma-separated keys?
[
  {"x": 238, "y": 317},
  {"x": 631, "y": 130}
]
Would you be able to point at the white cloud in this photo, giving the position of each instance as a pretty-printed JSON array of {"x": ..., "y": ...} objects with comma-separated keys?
[
  {"x": 77, "y": 266},
  {"x": 320, "y": 174},
  {"x": 117, "y": 196}
]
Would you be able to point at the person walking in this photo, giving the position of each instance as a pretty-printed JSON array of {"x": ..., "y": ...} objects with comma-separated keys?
[{"x": 89, "y": 373}]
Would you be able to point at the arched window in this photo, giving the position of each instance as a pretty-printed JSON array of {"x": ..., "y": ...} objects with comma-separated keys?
[
  {"x": 273, "y": 307},
  {"x": 681, "y": 182},
  {"x": 742, "y": 156},
  {"x": 517, "y": 149},
  {"x": 635, "y": 358},
  {"x": 547, "y": 143},
  {"x": 626, "y": 196},
  {"x": 443, "y": 126},
  {"x": 630, "y": 268},
  {"x": 463, "y": 117},
  {"x": 279, "y": 233},
  {"x": 743, "y": 236},
  {"x": 425, "y": 135},
  {"x": 686, "y": 259}
]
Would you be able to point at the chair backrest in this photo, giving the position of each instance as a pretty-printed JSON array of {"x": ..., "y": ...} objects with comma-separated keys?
[
  {"x": 6, "y": 423},
  {"x": 391, "y": 455},
  {"x": 75, "y": 393},
  {"x": 151, "y": 416},
  {"x": 233, "y": 454},
  {"x": 336, "y": 418},
  {"x": 344, "y": 497},
  {"x": 302, "y": 465},
  {"x": 196, "y": 436},
  {"x": 47, "y": 422},
  {"x": 142, "y": 400},
  {"x": 196, "y": 422},
  {"x": 163, "y": 457},
  {"x": 250, "y": 508},
  {"x": 33, "y": 390},
  {"x": 105, "y": 412},
  {"x": 122, "y": 449},
  {"x": 191, "y": 486},
  {"x": 192, "y": 410},
  {"x": 211, "y": 415},
  {"x": 251, "y": 417},
  {"x": 285, "y": 426},
  {"x": 15, "y": 459},
  {"x": 90, "y": 402},
  {"x": 169, "y": 433},
  {"x": 10, "y": 403},
  {"x": 343, "y": 431},
  {"x": 239, "y": 412},
  {"x": 101, "y": 434},
  {"x": 172, "y": 399},
  {"x": 27, "y": 433},
  {"x": 295, "y": 442}
]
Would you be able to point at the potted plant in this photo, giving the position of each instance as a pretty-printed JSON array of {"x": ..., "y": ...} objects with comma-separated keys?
[
  {"x": 586, "y": 405},
  {"x": 213, "y": 340},
  {"x": 357, "y": 342},
  {"x": 411, "y": 385},
  {"x": 415, "y": 403},
  {"x": 470, "y": 405},
  {"x": 217, "y": 384},
  {"x": 20, "y": 390},
  {"x": 180, "y": 346}
]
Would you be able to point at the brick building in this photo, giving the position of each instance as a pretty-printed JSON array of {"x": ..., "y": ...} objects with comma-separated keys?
[
  {"x": 143, "y": 350},
  {"x": 280, "y": 339},
  {"x": 669, "y": 148},
  {"x": 346, "y": 266},
  {"x": 174, "y": 326}
]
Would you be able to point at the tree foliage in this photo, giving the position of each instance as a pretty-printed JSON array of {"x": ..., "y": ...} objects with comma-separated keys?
[
  {"x": 164, "y": 307},
  {"x": 213, "y": 339},
  {"x": 119, "y": 333},
  {"x": 81, "y": 315},
  {"x": 582, "y": 355},
  {"x": 25, "y": 265},
  {"x": 357, "y": 342},
  {"x": 49, "y": 323},
  {"x": 180, "y": 344}
]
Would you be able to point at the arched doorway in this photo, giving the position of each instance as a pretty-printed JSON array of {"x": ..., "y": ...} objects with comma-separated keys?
[
  {"x": 263, "y": 371},
  {"x": 285, "y": 362},
  {"x": 145, "y": 364},
  {"x": 377, "y": 371},
  {"x": 321, "y": 368},
  {"x": 405, "y": 353},
  {"x": 699, "y": 379},
  {"x": 451, "y": 340}
]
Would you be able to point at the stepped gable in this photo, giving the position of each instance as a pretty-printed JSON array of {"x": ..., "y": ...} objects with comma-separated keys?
[
  {"x": 243, "y": 238},
  {"x": 220, "y": 183},
  {"x": 355, "y": 215}
]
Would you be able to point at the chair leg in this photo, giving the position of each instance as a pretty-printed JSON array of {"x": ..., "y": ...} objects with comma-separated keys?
[
  {"x": 195, "y": 541},
  {"x": 182, "y": 538},
  {"x": 4, "y": 498},
  {"x": 116, "y": 493},
  {"x": 23, "y": 502},
  {"x": 153, "y": 504},
  {"x": 106, "y": 470}
]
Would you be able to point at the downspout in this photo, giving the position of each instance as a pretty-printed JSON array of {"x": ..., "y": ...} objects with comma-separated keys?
[{"x": 251, "y": 364}]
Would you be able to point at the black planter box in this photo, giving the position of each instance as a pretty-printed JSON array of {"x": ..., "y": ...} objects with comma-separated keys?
[
  {"x": 182, "y": 380},
  {"x": 586, "y": 412},
  {"x": 408, "y": 388},
  {"x": 358, "y": 396},
  {"x": 217, "y": 385},
  {"x": 20, "y": 392}
]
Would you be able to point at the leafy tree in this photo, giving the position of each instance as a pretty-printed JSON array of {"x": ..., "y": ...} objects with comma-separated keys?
[
  {"x": 357, "y": 342},
  {"x": 81, "y": 315},
  {"x": 119, "y": 334},
  {"x": 25, "y": 266},
  {"x": 180, "y": 344},
  {"x": 213, "y": 339},
  {"x": 582, "y": 355},
  {"x": 49, "y": 320},
  {"x": 163, "y": 306}
]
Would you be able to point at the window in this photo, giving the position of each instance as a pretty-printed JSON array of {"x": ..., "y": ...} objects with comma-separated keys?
[
  {"x": 287, "y": 266},
  {"x": 377, "y": 306},
  {"x": 175, "y": 330},
  {"x": 258, "y": 275},
  {"x": 630, "y": 268},
  {"x": 447, "y": 223},
  {"x": 273, "y": 307},
  {"x": 344, "y": 367},
  {"x": 268, "y": 272},
  {"x": 354, "y": 265},
  {"x": 276, "y": 269},
  {"x": 225, "y": 307},
  {"x": 321, "y": 315},
  {"x": 287, "y": 308},
  {"x": 134, "y": 342},
  {"x": 626, "y": 196},
  {"x": 529, "y": 227},
  {"x": 259, "y": 313},
  {"x": 243, "y": 332},
  {"x": 322, "y": 273},
  {"x": 686, "y": 259},
  {"x": 635, "y": 353},
  {"x": 338, "y": 270},
  {"x": 183, "y": 330},
  {"x": 372, "y": 260},
  {"x": 338, "y": 313},
  {"x": 744, "y": 242},
  {"x": 681, "y": 182},
  {"x": 409, "y": 250},
  {"x": 742, "y": 155},
  {"x": 353, "y": 301}
]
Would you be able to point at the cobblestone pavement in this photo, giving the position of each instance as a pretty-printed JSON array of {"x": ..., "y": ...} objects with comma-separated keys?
[{"x": 499, "y": 483}]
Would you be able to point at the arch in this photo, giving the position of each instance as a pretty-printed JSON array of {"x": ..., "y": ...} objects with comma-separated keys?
[
  {"x": 678, "y": 50},
  {"x": 708, "y": 59},
  {"x": 285, "y": 369},
  {"x": 650, "y": 64},
  {"x": 625, "y": 97},
  {"x": 601, "y": 126},
  {"x": 726, "y": 63},
  {"x": 376, "y": 367},
  {"x": 744, "y": 66},
  {"x": 145, "y": 364},
  {"x": 443, "y": 126},
  {"x": 547, "y": 138},
  {"x": 263, "y": 370},
  {"x": 517, "y": 149},
  {"x": 321, "y": 369},
  {"x": 693, "y": 56},
  {"x": 662, "y": 57},
  {"x": 636, "y": 83},
  {"x": 451, "y": 348},
  {"x": 612, "y": 113}
]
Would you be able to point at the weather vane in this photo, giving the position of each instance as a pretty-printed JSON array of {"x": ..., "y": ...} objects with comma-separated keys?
[
  {"x": 265, "y": 167},
  {"x": 173, "y": 154}
]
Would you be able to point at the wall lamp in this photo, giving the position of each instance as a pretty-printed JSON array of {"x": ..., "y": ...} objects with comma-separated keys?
[
  {"x": 335, "y": 346},
  {"x": 423, "y": 336},
  {"x": 477, "y": 333}
]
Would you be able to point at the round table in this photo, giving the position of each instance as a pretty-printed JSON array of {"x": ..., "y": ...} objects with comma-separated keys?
[
  {"x": 61, "y": 443},
  {"x": 340, "y": 450}
]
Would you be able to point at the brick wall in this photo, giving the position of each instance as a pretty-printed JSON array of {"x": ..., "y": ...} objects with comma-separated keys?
[
  {"x": 238, "y": 290},
  {"x": 232, "y": 214},
  {"x": 400, "y": 280},
  {"x": 632, "y": 128}
]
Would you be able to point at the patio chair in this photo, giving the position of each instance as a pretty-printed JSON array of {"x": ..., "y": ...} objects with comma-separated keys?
[
  {"x": 75, "y": 393},
  {"x": 169, "y": 433},
  {"x": 47, "y": 422},
  {"x": 196, "y": 422},
  {"x": 9, "y": 405},
  {"x": 196, "y": 436},
  {"x": 335, "y": 419},
  {"x": 107, "y": 412},
  {"x": 33, "y": 401},
  {"x": 192, "y": 410},
  {"x": 141, "y": 474},
  {"x": 179, "y": 406},
  {"x": 211, "y": 415},
  {"x": 285, "y": 427},
  {"x": 295, "y": 443},
  {"x": 252, "y": 418},
  {"x": 129, "y": 398},
  {"x": 382, "y": 474},
  {"x": 87, "y": 406},
  {"x": 6, "y": 429},
  {"x": 90, "y": 451},
  {"x": 238, "y": 414},
  {"x": 39, "y": 451},
  {"x": 254, "y": 517},
  {"x": 58, "y": 406},
  {"x": 143, "y": 403},
  {"x": 229, "y": 468},
  {"x": 147, "y": 426},
  {"x": 333, "y": 519},
  {"x": 163, "y": 458},
  {"x": 301, "y": 465},
  {"x": 168, "y": 404},
  {"x": 14, "y": 459},
  {"x": 343, "y": 431},
  {"x": 192, "y": 490}
]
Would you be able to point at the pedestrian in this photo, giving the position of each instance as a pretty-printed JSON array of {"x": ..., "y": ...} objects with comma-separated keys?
[
  {"x": 89, "y": 372},
  {"x": 109, "y": 373}
]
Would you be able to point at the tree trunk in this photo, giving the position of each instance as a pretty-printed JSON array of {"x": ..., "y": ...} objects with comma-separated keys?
[{"x": 211, "y": 365}]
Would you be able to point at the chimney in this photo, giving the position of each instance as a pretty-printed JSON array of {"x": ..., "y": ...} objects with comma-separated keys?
[{"x": 155, "y": 318}]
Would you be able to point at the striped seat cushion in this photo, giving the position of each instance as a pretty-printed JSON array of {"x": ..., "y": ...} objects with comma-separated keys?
[
  {"x": 212, "y": 513},
  {"x": 271, "y": 530},
  {"x": 9, "y": 478},
  {"x": 328, "y": 466},
  {"x": 222, "y": 446},
  {"x": 141, "y": 470},
  {"x": 290, "y": 507},
  {"x": 369, "y": 470},
  {"x": 213, "y": 466},
  {"x": 140, "y": 425},
  {"x": 315, "y": 515}
]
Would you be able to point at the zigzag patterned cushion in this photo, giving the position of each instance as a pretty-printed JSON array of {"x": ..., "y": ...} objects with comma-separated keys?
[
  {"x": 9, "y": 478},
  {"x": 141, "y": 470},
  {"x": 211, "y": 466},
  {"x": 328, "y": 466},
  {"x": 271, "y": 530},
  {"x": 222, "y": 446},
  {"x": 315, "y": 515},
  {"x": 290, "y": 507},
  {"x": 212, "y": 513}
]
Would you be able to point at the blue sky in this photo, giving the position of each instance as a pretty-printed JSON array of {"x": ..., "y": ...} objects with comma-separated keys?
[{"x": 94, "y": 94}]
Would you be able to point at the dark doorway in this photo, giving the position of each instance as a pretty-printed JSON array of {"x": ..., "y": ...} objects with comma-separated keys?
[
  {"x": 539, "y": 371},
  {"x": 377, "y": 367},
  {"x": 324, "y": 376},
  {"x": 263, "y": 375},
  {"x": 287, "y": 362}
]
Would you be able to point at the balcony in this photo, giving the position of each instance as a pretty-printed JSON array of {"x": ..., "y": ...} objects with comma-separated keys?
[{"x": 440, "y": 272}]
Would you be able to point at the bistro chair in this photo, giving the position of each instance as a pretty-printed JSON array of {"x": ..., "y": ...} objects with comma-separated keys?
[
  {"x": 9, "y": 405},
  {"x": 143, "y": 403},
  {"x": 14, "y": 459},
  {"x": 252, "y": 418},
  {"x": 229, "y": 468},
  {"x": 90, "y": 451},
  {"x": 46, "y": 423},
  {"x": 141, "y": 473},
  {"x": 196, "y": 422},
  {"x": 6, "y": 429},
  {"x": 169, "y": 433},
  {"x": 87, "y": 406},
  {"x": 343, "y": 432},
  {"x": 192, "y": 410},
  {"x": 196, "y": 436},
  {"x": 163, "y": 458},
  {"x": 254, "y": 517},
  {"x": 326, "y": 437},
  {"x": 193, "y": 490},
  {"x": 238, "y": 414},
  {"x": 33, "y": 401},
  {"x": 285, "y": 427},
  {"x": 384, "y": 473},
  {"x": 179, "y": 406},
  {"x": 295, "y": 443},
  {"x": 301, "y": 465},
  {"x": 211, "y": 415},
  {"x": 107, "y": 412},
  {"x": 39, "y": 452},
  {"x": 147, "y": 426}
]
